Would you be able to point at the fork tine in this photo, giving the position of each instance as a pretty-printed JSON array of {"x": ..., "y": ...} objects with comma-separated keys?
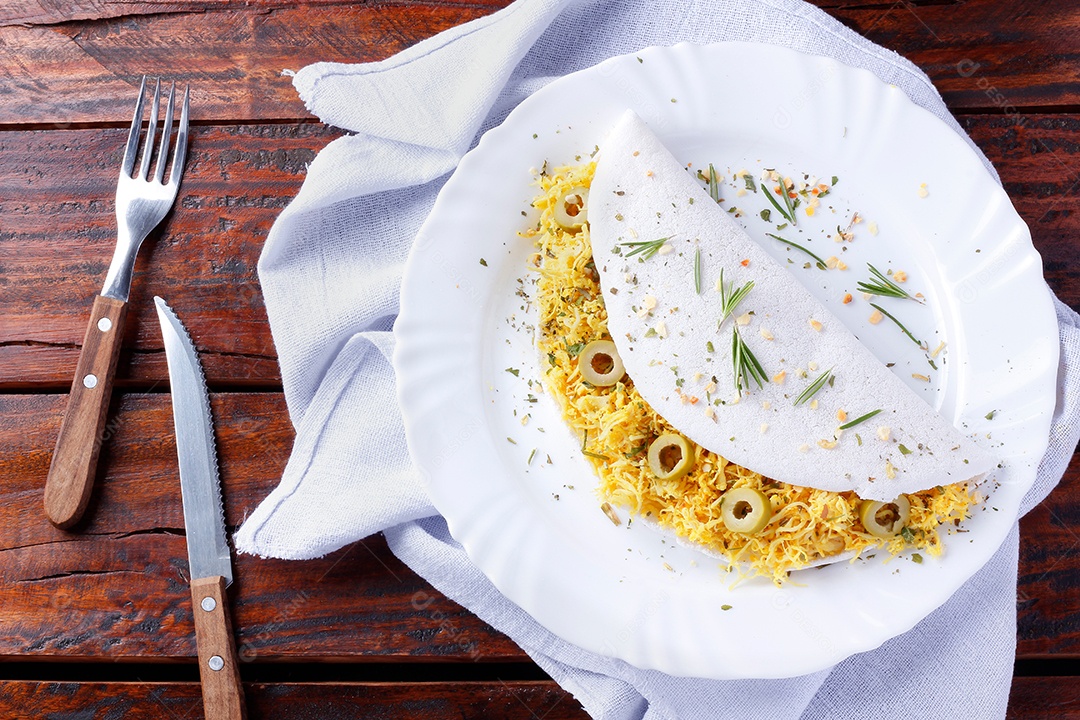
[
  {"x": 181, "y": 141},
  {"x": 166, "y": 131},
  {"x": 151, "y": 129},
  {"x": 133, "y": 134}
]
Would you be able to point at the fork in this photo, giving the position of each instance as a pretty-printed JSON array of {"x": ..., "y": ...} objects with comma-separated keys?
[{"x": 141, "y": 203}]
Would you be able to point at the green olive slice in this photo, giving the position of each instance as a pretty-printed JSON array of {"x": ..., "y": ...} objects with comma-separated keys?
[
  {"x": 599, "y": 363},
  {"x": 884, "y": 519},
  {"x": 670, "y": 456},
  {"x": 572, "y": 209},
  {"x": 745, "y": 510}
]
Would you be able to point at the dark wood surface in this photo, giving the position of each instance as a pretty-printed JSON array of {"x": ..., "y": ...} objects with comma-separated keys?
[{"x": 115, "y": 588}]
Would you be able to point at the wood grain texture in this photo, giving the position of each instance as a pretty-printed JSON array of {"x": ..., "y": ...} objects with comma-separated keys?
[
  {"x": 119, "y": 586},
  {"x": 75, "y": 456},
  {"x": 981, "y": 53},
  {"x": 219, "y": 666},
  {"x": 58, "y": 232},
  {"x": 1032, "y": 698},
  {"x": 513, "y": 700},
  {"x": 203, "y": 259}
]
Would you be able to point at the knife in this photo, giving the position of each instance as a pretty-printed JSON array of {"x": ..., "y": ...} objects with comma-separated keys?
[{"x": 209, "y": 561}]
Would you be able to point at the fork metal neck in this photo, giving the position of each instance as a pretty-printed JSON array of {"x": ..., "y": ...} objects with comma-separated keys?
[{"x": 118, "y": 279}]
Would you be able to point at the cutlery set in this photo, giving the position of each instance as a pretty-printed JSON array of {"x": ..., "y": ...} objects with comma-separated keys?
[{"x": 142, "y": 202}]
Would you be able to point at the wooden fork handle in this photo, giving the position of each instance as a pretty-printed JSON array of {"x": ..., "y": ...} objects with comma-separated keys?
[
  {"x": 219, "y": 671},
  {"x": 74, "y": 461}
]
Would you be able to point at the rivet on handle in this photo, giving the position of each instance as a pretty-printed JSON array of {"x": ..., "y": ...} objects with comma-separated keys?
[
  {"x": 208, "y": 604},
  {"x": 104, "y": 324},
  {"x": 90, "y": 381},
  {"x": 215, "y": 662}
]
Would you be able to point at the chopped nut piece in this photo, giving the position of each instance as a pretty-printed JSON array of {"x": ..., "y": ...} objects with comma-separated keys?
[
  {"x": 884, "y": 432},
  {"x": 923, "y": 192},
  {"x": 766, "y": 405},
  {"x": 779, "y": 377},
  {"x": 666, "y": 249},
  {"x": 872, "y": 227},
  {"x": 814, "y": 404},
  {"x": 648, "y": 302},
  {"x": 766, "y": 334},
  {"x": 816, "y": 325},
  {"x": 743, "y": 319},
  {"x": 841, "y": 415},
  {"x": 841, "y": 265},
  {"x": 612, "y": 515},
  {"x": 710, "y": 413},
  {"x": 831, "y": 262},
  {"x": 826, "y": 444},
  {"x": 711, "y": 387},
  {"x": 899, "y": 276},
  {"x": 661, "y": 329},
  {"x": 812, "y": 366},
  {"x": 764, "y": 427},
  {"x": 890, "y": 470},
  {"x": 876, "y": 317},
  {"x": 847, "y": 298},
  {"x": 920, "y": 376},
  {"x": 804, "y": 448}
]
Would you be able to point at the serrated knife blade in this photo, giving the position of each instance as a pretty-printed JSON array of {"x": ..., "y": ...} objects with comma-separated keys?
[
  {"x": 209, "y": 561},
  {"x": 200, "y": 486}
]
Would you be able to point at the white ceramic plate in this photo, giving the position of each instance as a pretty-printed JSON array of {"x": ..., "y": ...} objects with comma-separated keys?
[{"x": 535, "y": 529}]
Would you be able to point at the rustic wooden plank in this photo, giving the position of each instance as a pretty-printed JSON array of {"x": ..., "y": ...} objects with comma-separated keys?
[
  {"x": 117, "y": 587},
  {"x": 514, "y": 700},
  {"x": 203, "y": 259},
  {"x": 58, "y": 232},
  {"x": 1032, "y": 698},
  {"x": 1044, "y": 698},
  {"x": 232, "y": 58},
  {"x": 981, "y": 53},
  {"x": 41, "y": 12},
  {"x": 984, "y": 53}
]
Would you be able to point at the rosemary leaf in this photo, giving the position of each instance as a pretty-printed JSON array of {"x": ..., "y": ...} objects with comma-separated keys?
[
  {"x": 813, "y": 387},
  {"x": 900, "y": 325},
  {"x": 787, "y": 200},
  {"x": 697, "y": 271},
  {"x": 860, "y": 419},
  {"x": 820, "y": 263},
  {"x": 585, "y": 451},
  {"x": 772, "y": 200}
]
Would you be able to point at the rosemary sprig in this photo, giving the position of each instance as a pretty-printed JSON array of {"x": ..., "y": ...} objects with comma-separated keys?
[
  {"x": 900, "y": 325},
  {"x": 860, "y": 419},
  {"x": 820, "y": 263},
  {"x": 697, "y": 271},
  {"x": 769, "y": 194},
  {"x": 813, "y": 387},
  {"x": 647, "y": 248},
  {"x": 714, "y": 184},
  {"x": 884, "y": 286},
  {"x": 787, "y": 200},
  {"x": 730, "y": 297},
  {"x": 585, "y": 442},
  {"x": 745, "y": 365}
]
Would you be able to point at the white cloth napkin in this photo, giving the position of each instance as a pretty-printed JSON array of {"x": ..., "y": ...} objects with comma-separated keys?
[{"x": 331, "y": 271}]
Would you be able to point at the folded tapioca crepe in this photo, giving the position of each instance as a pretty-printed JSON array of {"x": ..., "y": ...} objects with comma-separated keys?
[{"x": 679, "y": 354}]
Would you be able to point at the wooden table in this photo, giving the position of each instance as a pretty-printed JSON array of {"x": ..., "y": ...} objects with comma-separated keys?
[{"x": 97, "y": 622}]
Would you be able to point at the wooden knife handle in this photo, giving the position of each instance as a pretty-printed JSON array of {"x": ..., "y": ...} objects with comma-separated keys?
[
  {"x": 74, "y": 461},
  {"x": 223, "y": 696}
]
